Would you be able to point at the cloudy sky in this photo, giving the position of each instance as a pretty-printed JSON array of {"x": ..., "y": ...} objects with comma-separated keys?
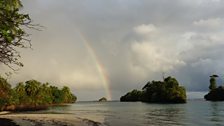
[{"x": 132, "y": 41}]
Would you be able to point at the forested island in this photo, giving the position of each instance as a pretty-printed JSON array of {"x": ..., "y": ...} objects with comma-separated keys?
[
  {"x": 103, "y": 99},
  {"x": 215, "y": 93},
  {"x": 167, "y": 91},
  {"x": 32, "y": 95}
]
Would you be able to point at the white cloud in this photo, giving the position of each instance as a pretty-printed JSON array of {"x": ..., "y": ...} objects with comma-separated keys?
[
  {"x": 155, "y": 57},
  {"x": 210, "y": 23},
  {"x": 157, "y": 52},
  {"x": 165, "y": 52},
  {"x": 81, "y": 79},
  {"x": 145, "y": 29}
]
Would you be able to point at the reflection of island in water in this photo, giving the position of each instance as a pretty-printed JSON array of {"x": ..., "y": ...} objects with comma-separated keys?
[
  {"x": 166, "y": 116},
  {"x": 194, "y": 113},
  {"x": 215, "y": 113},
  {"x": 143, "y": 114}
]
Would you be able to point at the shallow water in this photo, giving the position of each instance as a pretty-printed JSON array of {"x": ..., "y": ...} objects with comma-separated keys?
[{"x": 195, "y": 112}]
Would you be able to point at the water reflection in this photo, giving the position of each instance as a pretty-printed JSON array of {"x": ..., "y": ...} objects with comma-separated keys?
[
  {"x": 215, "y": 113},
  {"x": 167, "y": 115},
  {"x": 199, "y": 113}
]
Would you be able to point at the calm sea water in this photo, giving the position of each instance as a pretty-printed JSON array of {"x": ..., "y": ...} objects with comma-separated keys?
[{"x": 195, "y": 112}]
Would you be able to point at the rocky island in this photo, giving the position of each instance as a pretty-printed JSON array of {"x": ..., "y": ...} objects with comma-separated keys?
[
  {"x": 215, "y": 93},
  {"x": 103, "y": 99},
  {"x": 166, "y": 91}
]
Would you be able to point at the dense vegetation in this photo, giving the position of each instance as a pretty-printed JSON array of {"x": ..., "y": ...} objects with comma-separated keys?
[
  {"x": 32, "y": 94},
  {"x": 103, "y": 99},
  {"x": 134, "y": 95},
  {"x": 12, "y": 33},
  {"x": 215, "y": 93},
  {"x": 167, "y": 91}
]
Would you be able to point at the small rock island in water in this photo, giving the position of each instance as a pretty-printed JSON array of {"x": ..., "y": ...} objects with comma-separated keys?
[
  {"x": 103, "y": 99},
  {"x": 215, "y": 93},
  {"x": 167, "y": 91}
]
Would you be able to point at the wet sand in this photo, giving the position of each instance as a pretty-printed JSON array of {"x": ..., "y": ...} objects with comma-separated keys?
[
  {"x": 7, "y": 122},
  {"x": 14, "y": 119}
]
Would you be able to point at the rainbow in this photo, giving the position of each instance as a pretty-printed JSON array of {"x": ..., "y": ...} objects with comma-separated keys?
[{"x": 101, "y": 70}]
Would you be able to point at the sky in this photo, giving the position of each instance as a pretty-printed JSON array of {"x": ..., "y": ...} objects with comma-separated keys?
[{"x": 105, "y": 48}]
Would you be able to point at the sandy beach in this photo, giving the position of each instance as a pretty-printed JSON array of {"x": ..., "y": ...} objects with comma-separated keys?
[{"x": 45, "y": 120}]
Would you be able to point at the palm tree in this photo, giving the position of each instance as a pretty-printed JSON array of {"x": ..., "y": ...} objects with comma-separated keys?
[
  {"x": 32, "y": 89},
  {"x": 5, "y": 89},
  {"x": 21, "y": 93}
]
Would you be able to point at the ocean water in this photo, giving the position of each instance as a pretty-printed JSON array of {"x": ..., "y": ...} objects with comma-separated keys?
[{"x": 194, "y": 112}]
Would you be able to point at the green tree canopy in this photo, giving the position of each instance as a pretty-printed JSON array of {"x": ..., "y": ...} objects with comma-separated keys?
[
  {"x": 167, "y": 91},
  {"x": 5, "y": 89},
  {"x": 212, "y": 85},
  {"x": 12, "y": 33},
  {"x": 134, "y": 95}
]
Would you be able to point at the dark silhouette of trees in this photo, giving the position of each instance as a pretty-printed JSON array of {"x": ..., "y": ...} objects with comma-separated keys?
[
  {"x": 216, "y": 94},
  {"x": 134, "y": 95}
]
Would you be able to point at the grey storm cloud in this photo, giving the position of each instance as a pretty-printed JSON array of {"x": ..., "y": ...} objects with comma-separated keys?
[{"x": 135, "y": 42}]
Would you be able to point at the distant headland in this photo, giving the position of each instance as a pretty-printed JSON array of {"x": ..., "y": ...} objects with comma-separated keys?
[
  {"x": 166, "y": 91},
  {"x": 32, "y": 95}
]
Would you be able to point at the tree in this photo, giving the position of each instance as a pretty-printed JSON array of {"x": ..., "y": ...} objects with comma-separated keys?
[
  {"x": 32, "y": 95},
  {"x": 103, "y": 99},
  {"x": 56, "y": 95},
  {"x": 20, "y": 93},
  {"x": 32, "y": 89},
  {"x": 5, "y": 89},
  {"x": 45, "y": 94},
  {"x": 12, "y": 33},
  {"x": 166, "y": 91},
  {"x": 66, "y": 95},
  {"x": 134, "y": 95},
  {"x": 212, "y": 85}
]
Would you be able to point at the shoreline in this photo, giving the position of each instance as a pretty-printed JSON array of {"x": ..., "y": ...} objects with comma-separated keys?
[{"x": 25, "y": 119}]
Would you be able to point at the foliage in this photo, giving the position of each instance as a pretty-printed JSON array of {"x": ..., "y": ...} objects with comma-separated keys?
[
  {"x": 103, "y": 99},
  {"x": 134, "y": 95},
  {"x": 12, "y": 33},
  {"x": 5, "y": 89},
  {"x": 212, "y": 85},
  {"x": 62, "y": 96},
  {"x": 167, "y": 91},
  {"x": 67, "y": 96},
  {"x": 33, "y": 92}
]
